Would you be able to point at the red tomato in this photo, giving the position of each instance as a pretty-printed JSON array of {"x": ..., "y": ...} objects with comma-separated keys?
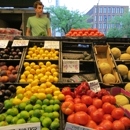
[
  {"x": 70, "y": 118},
  {"x": 107, "y": 125},
  {"x": 69, "y": 99},
  {"x": 97, "y": 103},
  {"x": 77, "y": 100},
  {"x": 80, "y": 107},
  {"x": 91, "y": 124},
  {"x": 117, "y": 113},
  {"x": 68, "y": 96},
  {"x": 126, "y": 122},
  {"x": 109, "y": 98},
  {"x": 100, "y": 128},
  {"x": 107, "y": 107},
  {"x": 113, "y": 99},
  {"x": 86, "y": 100},
  {"x": 81, "y": 118},
  {"x": 108, "y": 117},
  {"x": 91, "y": 108},
  {"x": 97, "y": 115},
  {"x": 118, "y": 125},
  {"x": 67, "y": 107}
]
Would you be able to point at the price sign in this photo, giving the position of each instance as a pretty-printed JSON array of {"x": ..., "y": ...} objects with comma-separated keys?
[
  {"x": 71, "y": 66},
  {"x": 94, "y": 86},
  {"x": 26, "y": 126},
  {"x": 3, "y": 43},
  {"x": 51, "y": 44},
  {"x": 18, "y": 43}
]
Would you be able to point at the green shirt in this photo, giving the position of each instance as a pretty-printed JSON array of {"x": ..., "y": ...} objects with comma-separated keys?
[{"x": 38, "y": 25}]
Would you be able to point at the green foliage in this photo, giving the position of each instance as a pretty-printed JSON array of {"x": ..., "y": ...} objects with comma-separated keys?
[
  {"x": 63, "y": 19},
  {"x": 123, "y": 22}
]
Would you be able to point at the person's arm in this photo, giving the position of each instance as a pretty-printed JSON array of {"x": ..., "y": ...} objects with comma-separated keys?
[
  {"x": 49, "y": 32},
  {"x": 28, "y": 32}
]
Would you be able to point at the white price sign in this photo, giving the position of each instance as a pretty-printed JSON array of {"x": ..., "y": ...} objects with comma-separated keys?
[
  {"x": 51, "y": 44},
  {"x": 26, "y": 126},
  {"x": 20, "y": 43},
  {"x": 71, "y": 66},
  {"x": 94, "y": 86},
  {"x": 3, "y": 43}
]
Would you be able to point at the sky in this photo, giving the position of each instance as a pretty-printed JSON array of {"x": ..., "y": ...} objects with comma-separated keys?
[{"x": 85, "y": 5}]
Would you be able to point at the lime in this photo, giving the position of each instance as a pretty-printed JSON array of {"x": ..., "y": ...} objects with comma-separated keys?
[
  {"x": 51, "y": 101},
  {"x": 20, "y": 96},
  {"x": 42, "y": 111},
  {"x": 18, "y": 115},
  {"x": 3, "y": 123},
  {"x": 37, "y": 113},
  {"x": 34, "y": 119},
  {"x": 45, "y": 114},
  {"x": 14, "y": 111},
  {"x": 9, "y": 111},
  {"x": 2, "y": 117},
  {"x": 44, "y": 128},
  {"x": 39, "y": 102},
  {"x": 29, "y": 107},
  {"x": 8, "y": 119},
  {"x": 42, "y": 117},
  {"x": 54, "y": 125},
  {"x": 48, "y": 109},
  {"x": 43, "y": 107},
  {"x": 31, "y": 112},
  {"x": 46, "y": 122},
  {"x": 49, "y": 96},
  {"x": 8, "y": 105},
  {"x": 56, "y": 101},
  {"x": 37, "y": 106},
  {"x": 56, "y": 107},
  {"x": 57, "y": 119},
  {"x": 46, "y": 102},
  {"x": 22, "y": 106},
  {"x": 51, "y": 115},
  {"x": 56, "y": 114},
  {"x": 33, "y": 99},
  {"x": 14, "y": 120},
  {"x": 21, "y": 121},
  {"x": 24, "y": 115}
]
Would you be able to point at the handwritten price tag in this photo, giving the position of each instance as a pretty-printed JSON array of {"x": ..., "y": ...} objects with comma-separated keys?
[
  {"x": 94, "y": 86},
  {"x": 51, "y": 44},
  {"x": 3, "y": 43},
  {"x": 20, "y": 43},
  {"x": 71, "y": 66}
]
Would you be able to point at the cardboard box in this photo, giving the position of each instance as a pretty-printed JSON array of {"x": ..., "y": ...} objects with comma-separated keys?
[{"x": 70, "y": 126}]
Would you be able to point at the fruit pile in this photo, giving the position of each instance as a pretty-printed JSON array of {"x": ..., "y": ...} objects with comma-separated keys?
[
  {"x": 42, "y": 72},
  {"x": 8, "y": 73},
  {"x": 42, "y": 53},
  {"x": 85, "y": 32},
  {"x": 93, "y": 110}
]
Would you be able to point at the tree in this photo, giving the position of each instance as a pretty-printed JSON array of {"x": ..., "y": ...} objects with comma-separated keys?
[
  {"x": 63, "y": 19},
  {"x": 121, "y": 26}
]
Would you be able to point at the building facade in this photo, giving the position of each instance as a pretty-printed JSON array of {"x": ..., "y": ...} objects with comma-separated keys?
[{"x": 101, "y": 14}]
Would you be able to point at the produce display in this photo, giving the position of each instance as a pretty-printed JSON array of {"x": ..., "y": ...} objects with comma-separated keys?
[{"x": 94, "y": 110}]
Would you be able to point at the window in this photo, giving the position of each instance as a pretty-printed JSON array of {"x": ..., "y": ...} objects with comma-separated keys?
[
  {"x": 100, "y": 26},
  {"x": 104, "y": 10},
  {"x": 95, "y": 18},
  {"x": 95, "y": 9},
  {"x": 104, "y": 25},
  {"x": 109, "y": 10},
  {"x": 109, "y": 25},
  {"x": 109, "y": 17},
  {"x": 113, "y": 10},
  {"x": 100, "y": 10},
  {"x": 95, "y": 25},
  {"x": 118, "y": 10},
  {"x": 122, "y": 10},
  {"x": 100, "y": 18},
  {"x": 105, "y": 18}
]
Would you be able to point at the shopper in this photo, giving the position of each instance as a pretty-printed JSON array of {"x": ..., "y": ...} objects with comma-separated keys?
[{"x": 39, "y": 24}]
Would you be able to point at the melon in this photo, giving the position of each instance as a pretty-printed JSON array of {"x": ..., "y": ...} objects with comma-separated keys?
[
  {"x": 105, "y": 68},
  {"x": 128, "y": 75},
  {"x": 128, "y": 50},
  {"x": 109, "y": 78},
  {"x": 127, "y": 107},
  {"x": 121, "y": 100},
  {"x": 125, "y": 56},
  {"x": 123, "y": 69},
  {"x": 127, "y": 87},
  {"x": 116, "y": 52}
]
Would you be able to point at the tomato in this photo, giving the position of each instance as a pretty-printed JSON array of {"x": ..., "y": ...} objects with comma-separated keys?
[
  {"x": 91, "y": 124},
  {"x": 80, "y": 107},
  {"x": 77, "y": 100},
  {"x": 106, "y": 124},
  {"x": 112, "y": 99},
  {"x": 107, "y": 107},
  {"x": 86, "y": 100},
  {"x": 70, "y": 118},
  {"x": 69, "y": 99},
  {"x": 100, "y": 128},
  {"x": 97, "y": 115},
  {"x": 97, "y": 103},
  {"x": 108, "y": 117},
  {"x": 91, "y": 108},
  {"x": 67, "y": 107},
  {"x": 109, "y": 98},
  {"x": 117, "y": 113},
  {"x": 81, "y": 118},
  {"x": 118, "y": 125},
  {"x": 126, "y": 122},
  {"x": 68, "y": 96}
]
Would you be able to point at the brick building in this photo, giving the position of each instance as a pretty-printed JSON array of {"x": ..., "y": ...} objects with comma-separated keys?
[{"x": 101, "y": 14}]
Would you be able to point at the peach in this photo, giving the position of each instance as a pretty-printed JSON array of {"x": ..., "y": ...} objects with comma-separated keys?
[
  {"x": 11, "y": 68},
  {"x": 4, "y": 79}
]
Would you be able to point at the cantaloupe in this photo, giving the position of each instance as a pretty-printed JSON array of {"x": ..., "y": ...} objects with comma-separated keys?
[
  {"x": 128, "y": 50},
  {"x": 109, "y": 78},
  {"x": 127, "y": 87},
  {"x": 116, "y": 52},
  {"x": 123, "y": 69},
  {"x": 125, "y": 56},
  {"x": 105, "y": 68},
  {"x": 121, "y": 100}
]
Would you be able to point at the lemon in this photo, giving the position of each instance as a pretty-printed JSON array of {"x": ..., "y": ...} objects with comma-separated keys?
[
  {"x": 26, "y": 64},
  {"x": 50, "y": 78},
  {"x": 36, "y": 67},
  {"x": 28, "y": 87},
  {"x": 41, "y": 96},
  {"x": 22, "y": 80},
  {"x": 23, "y": 76},
  {"x": 56, "y": 93},
  {"x": 20, "y": 91},
  {"x": 18, "y": 87},
  {"x": 34, "y": 83},
  {"x": 48, "y": 63},
  {"x": 25, "y": 99},
  {"x": 43, "y": 85},
  {"x": 55, "y": 74},
  {"x": 43, "y": 70},
  {"x": 28, "y": 94},
  {"x": 29, "y": 80},
  {"x": 48, "y": 84},
  {"x": 16, "y": 101},
  {"x": 48, "y": 90},
  {"x": 47, "y": 73},
  {"x": 43, "y": 79},
  {"x": 32, "y": 71},
  {"x": 55, "y": 79},
  {"x": 27, "y": 68},
  {"x": 32, "y": 64},
  {"x": 40, "y": 75},
  {"x": 41, "y": 90},
  {"x": 30, "y": 76},
  {"x": 61, "y": 97}
]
